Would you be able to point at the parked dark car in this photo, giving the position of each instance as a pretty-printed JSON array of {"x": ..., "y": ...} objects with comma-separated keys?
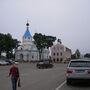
[
  {"x": 44, "y": 64},
  {"x": 9, "y": 62}
]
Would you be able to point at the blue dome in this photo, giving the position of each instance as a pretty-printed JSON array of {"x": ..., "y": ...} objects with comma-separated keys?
[{"x": 27, "y": 34}]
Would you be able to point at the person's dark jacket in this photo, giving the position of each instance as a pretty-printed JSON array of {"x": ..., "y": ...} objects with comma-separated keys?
[{"x": 14, "y": 72}]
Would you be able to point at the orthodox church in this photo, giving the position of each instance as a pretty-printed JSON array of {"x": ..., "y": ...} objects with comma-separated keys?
[{"x": 28, "y": 51}]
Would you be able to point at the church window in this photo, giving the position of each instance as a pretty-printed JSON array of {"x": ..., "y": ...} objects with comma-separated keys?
[{"x": 32, "y": 56}]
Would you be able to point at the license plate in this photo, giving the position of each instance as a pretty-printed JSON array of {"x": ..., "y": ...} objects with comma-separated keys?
[{"x": 79, "y": 71}]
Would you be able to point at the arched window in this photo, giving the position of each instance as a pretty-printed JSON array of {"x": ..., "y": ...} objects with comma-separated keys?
[
  {"x": 57, "y": 59},
  {"x": 32, "y": 56},
  {"x": 61, "y": 53},
  {"x": 61, "y": 59},
  {"x": 54, "y": 54},
  {"x": 57, "y": 54},
  {"x": 28, "y": 37},
  {"x": 54, "y": 59}
]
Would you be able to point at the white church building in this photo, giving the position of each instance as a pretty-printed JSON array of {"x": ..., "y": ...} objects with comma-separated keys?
[{"x": 28, "y": 51}]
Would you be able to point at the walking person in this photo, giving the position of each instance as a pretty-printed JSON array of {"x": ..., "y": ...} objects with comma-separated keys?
[{"x": 14, "y": 73}]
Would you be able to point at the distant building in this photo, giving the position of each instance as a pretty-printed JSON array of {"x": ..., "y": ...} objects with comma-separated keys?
[
  {"x": 68, "y": 54},
  {"x": 28, "y": 50},
  {"x": 60, "y": 53}
]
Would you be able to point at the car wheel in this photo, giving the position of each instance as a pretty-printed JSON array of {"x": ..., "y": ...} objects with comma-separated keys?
[{"x": 68, "y": 82}]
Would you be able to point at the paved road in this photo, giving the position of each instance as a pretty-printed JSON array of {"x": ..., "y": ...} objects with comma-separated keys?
[
  {"x": 38, "y": 79},
  {"x": 75, "y": 86},
  {"x": 43, "y": 79}
]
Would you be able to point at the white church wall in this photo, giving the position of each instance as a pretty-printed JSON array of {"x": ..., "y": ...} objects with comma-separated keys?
[{"x": 28, "y": 50}]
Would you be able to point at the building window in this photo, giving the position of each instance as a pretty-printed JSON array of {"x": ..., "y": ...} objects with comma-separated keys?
[
  {"x": 32, "y": 56},
  {"x": 54, "y": 54},
  {"x": 57, "y": 59},
  {"x": 54, "y": 59},
  {"x": 61, "y": 53},
  {"x": 61, "y": 59},
  {"x": 57, "y": 54}
]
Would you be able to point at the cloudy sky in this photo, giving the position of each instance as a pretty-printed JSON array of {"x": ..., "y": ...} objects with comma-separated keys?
[{"x": 68, "y": 20}]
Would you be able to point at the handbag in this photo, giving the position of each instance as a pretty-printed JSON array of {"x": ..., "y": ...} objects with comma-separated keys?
[{"x": 19, "y": 83}]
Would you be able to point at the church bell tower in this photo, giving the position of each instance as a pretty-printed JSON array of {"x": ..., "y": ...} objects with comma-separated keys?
[{"x": 27, "y": 38}]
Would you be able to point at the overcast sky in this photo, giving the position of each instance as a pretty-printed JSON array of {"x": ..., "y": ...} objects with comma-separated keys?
[{"x": 68, "y": 20}]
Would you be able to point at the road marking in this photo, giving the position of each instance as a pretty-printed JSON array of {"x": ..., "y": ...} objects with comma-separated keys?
[{"x": 60, "y": 86}]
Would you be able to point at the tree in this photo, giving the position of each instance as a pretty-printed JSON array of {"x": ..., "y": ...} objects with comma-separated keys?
[
  {"x": 11, "y": 44},
  {"x": 7, "y": 44},
  {"x": 73, "y": 56},
  {"x": 42, "y": 41},
  {"x": 2, "y": 46},
  {"x": 87, "y": 55},
  {"x": 77, "y": 54}
]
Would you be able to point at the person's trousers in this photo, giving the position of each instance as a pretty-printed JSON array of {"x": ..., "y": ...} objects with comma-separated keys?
[{"x": 14, "y": 83}]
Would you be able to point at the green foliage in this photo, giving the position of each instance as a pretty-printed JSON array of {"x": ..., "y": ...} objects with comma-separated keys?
[
  {"x": 42, "y": 41},
  {"x": 77, "y": 54},
  {"x": 87, "y": 55},
  {"x": 7, "y": 44},
  {"x": 73, "y": 56}
]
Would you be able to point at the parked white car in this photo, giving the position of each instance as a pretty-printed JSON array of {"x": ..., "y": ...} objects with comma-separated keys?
[
  {"x": 2, "y": 62},
  {"x": 78, "y": 70}
]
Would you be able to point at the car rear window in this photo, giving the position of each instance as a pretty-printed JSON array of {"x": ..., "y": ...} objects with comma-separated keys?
[{"x": 80, "y": 64}]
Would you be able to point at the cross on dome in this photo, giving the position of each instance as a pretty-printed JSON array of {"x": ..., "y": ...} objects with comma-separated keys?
[{"x": 27, "y": 32}]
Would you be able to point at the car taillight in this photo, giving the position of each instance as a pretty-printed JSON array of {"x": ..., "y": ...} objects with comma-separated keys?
[
  {"x": 69, "y": 71},
  {"x": 88, "y": 71}
]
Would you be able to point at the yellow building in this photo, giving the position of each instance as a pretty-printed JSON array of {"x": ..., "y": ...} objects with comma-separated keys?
[{"x": 60, "y": 53}]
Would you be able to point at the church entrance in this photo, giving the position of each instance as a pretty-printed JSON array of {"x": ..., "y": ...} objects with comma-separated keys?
[
  {"x": 27, "y": 57},
  {"x": 21, "y": 57}
]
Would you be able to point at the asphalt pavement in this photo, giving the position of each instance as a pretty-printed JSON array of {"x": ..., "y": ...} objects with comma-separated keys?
[{"x": 39, "y": 79}]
